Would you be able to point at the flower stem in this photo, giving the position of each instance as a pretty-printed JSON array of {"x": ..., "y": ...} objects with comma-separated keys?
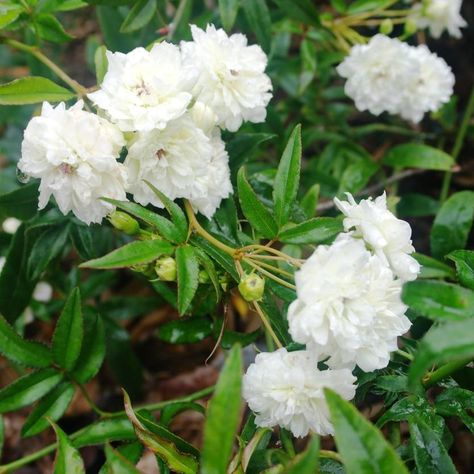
[
  {"x": 324, "y": 453},
  {"x": 270, "y": 275},
  {"x": 458, "y": 144},
  {"x": 194, "y": 224},
  {"x": 80, "y": 90},
  {"x": 267, "y": 324},
  {"x": 444, "y": 371},
  {"x": 13, "y": 466}
]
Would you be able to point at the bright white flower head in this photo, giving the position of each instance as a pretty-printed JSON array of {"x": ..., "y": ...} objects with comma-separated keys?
[
  {"x": 431, "y": 87},
  {"x": 388, "y": 236},
  {"x": 286, "y": 389},
  {"x": 232, "y": 79},
  {"x": 348, "y": 306},
  {"x": 144, "y": 90},
  {"x": 10, "y": 225},
  {"x": 74, "y": 154},
  {"x": 440, "y": 15},
  {"x": 174, "y": 160},
  {"x": 388, "y": 75},
  {"x": 215, "y": 185}
]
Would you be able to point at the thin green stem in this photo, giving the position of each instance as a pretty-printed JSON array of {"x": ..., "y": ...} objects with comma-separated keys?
[
  {"x": 94, "y": 407},
  {"x": 444, "y": 371},
  {"x": 266, "y": 323},
  {"x": 270, "y": 267},
  {"x": 193, "y": 222},
  {"x": 458, "y": 144},
  {"x": 13, "y": 466},
  {"x": 405, "y": 354},
  {"x": 324, "y": 453},
  {"x": 271, "y": 275},
  {"x": 80, "y": 90}
]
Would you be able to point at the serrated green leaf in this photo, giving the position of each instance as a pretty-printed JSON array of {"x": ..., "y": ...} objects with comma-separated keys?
[
  {"x": 15, "y": 348},
  {"x": 173, "y": 409},
  {"x": 47, "y": 247},
  {"x": 132, "y": 452},
  {"x": 139, "y": 16},
  {"x": 430, "y": 454},
  {"x": 9, "y": 13},
  {"x": 228, "y": 10},
  {"x": 68, "y": 335},
  {"x": 464, "y": 261},
  {"x": 68, "y": 460},
  {"x": 105, "y": 431},
  {"x": 117, "y": 463},
  {"x": 28, "y": 389},
  {"x": 256, "y": 213},
  {"x": 50, "y": 29},
  {"x": 432, "y": 268},
  {"x": 453, "y": 341},
  {"x": 92, "y": 354},
  {"x": 287, "y": 179},
  {"x": 32, "y": 90},
  {"x": 313, "y": 231},
  {"x": 303, "y": 11},
  {"x": 361, "y": 445},
  {"x": 209, "y": 267},
  {"x": 219, "y": 437},
  {"x": 439, "y": 300},
  {"x": 416, "y": 155},
  {"x": 21, "y": 203},
  {"x": 177, "y": 461},
  {"x": 306, "y": 462},
  {"x": 188, "y": 276},
  {"x": 134, "y": 253},
  {"x": 452, "y": 224},
  {"x": 260, "y": 22},
  {"x": 458, "y": 402},
  {"x": 52, "y": 406},
  {"x": 309, "y": 203},
  {"x": 165, "y": 227},
  {"x": 176, "y": 213}
]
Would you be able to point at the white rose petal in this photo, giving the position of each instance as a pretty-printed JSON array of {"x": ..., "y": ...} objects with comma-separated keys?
[
  {"x": 231, "y": 79},
  {"x": 388, "y": 236},
  {"x": 143, "y": 90},
  {"x": 286, "y": 389},
  {"x": 10, "y": 225},
  {"x": 440, "y": 16},
  {"x": 43, "y": 292},
  {"x": 74, "y": 154},
  {"x": 348, "y": 306}
]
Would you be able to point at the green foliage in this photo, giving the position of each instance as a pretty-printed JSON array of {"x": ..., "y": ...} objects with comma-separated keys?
[
  {"x": 414, "y": 155},
  {"x": 67, "y": 458}
]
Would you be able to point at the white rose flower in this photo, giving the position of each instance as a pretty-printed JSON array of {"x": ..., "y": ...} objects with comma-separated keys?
[
  {"x": 387, "y": 75},
  {"x": 231, "y": 76},
  {"x": 440, "y": 15},
  {"x": 143, "y": 90},
  {"x": 286, "y": 389},
  {"x": 10, "y": 225},
  {"x": 388, "y": 236},
  {"x": 430, "y": 88},
  {"x": 174, "y": 160},
  {"x": 74, "y": 154},
  {"x": 348, "y": 306},
  {"x": 215, "y": 185}
]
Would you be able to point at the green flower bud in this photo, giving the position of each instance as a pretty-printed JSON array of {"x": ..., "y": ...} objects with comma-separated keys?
[
  {"x": 410, "y": 27},
  {"x": 386, "y": 27},
  {"x": 251, "y": 287},
  {"x": 224, "y": 281},
  {"x": 165, "y": 268},
  {"x": 124, "y": 222},
  {"x": 203, "y": 277}
]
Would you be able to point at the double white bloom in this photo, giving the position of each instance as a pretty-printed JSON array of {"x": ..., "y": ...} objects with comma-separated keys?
[
  {"x": 388, "y": 75},
  {"x": 440, "y": 16},
  {"x": 172, "y": 102},
  {"x": 74, "y": 153},
  {"x": 286, "y": 389}
]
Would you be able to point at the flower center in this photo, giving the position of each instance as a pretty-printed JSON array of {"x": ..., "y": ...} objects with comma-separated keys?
[
  {"x": 160, "y": 153},
  {"x": 66, "y": 168},
  {"x": 142, "y": 88}
]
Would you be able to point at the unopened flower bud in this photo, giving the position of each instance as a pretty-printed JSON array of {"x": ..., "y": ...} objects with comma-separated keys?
[
  {"x": 410, "y": 27},
  {"x": 165, "y": 268},
  {"x": 386, "y": 27},
  {"x": 251, "y": 287},
  {"x": 203, "y": 277},
  {"x": 124, "y": 222}
]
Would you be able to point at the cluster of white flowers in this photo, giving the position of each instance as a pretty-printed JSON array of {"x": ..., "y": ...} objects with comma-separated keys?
[
  {"x": 440, "y": 16},
  {"x": 348, "y": 312},
  {"x": 388, "y": 75},
  {"x": 168, "y": 107}
]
